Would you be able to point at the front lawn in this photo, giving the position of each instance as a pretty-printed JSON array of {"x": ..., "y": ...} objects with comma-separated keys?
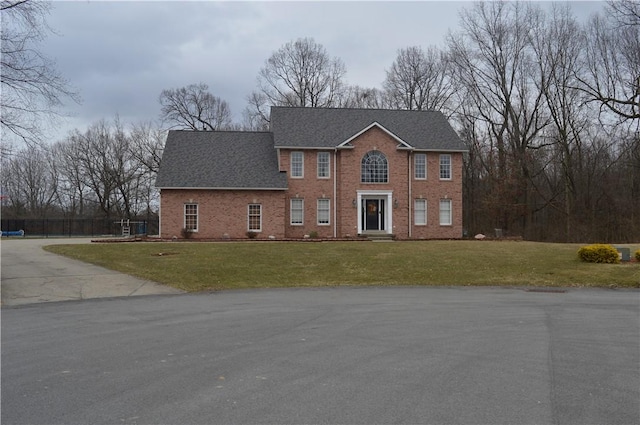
[{"x": 196, "y": 266}]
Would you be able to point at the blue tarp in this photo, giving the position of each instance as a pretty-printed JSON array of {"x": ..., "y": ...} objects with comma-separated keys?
[{"x": 13, "y": 233}]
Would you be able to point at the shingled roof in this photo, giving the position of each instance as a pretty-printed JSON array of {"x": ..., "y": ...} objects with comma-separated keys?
[
  {"x": 331, "y": 127},
  {"x": 221, "y": 160}
]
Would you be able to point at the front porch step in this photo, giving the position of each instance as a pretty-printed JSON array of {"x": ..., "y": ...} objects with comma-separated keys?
[{"x": 378, "y": 237}]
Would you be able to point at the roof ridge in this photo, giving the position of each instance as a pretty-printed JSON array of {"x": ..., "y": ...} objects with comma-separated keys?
[
  {"x": 354, "y": 109},
  {"x": 222, "y": 131}
]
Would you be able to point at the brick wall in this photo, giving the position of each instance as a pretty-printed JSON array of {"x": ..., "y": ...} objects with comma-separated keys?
[
  {"x": 225, "y": 212},
  {"x": 221, "y": 212},
  {"x": 310, "y": 189},
  {"x": 403, "y": 186}
]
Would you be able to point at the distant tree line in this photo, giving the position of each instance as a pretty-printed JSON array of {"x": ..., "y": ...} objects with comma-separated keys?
[{"x": 548, "y": 107}]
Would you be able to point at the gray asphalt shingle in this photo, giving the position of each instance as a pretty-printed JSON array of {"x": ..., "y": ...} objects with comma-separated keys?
[
  {"x": 329, "y": 127},
  {"x": 220, "y": 159},
  {"x": 248, "y": 160}
]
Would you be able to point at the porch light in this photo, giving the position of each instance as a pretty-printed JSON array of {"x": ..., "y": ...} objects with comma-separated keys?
[
  {"x": 395, "y": 203},
  {"x": 353, "y": 203}
]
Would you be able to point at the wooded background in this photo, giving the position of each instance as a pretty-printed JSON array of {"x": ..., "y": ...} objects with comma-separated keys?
[{"x": 548, "y": 107}]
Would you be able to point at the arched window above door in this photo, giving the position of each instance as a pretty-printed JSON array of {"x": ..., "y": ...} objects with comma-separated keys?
[{"x": 374, "y": 168}]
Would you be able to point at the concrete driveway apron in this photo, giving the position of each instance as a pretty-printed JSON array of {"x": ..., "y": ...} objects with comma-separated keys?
[{"x": 32, "y": 275}]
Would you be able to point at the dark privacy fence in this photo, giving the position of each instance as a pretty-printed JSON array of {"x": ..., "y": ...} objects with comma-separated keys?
[{"x": 56, "y": 227}]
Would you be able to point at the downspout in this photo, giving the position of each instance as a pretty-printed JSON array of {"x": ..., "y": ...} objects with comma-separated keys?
[
  {"x": 159, "y": 216},
  {"x": 410, "y": 195},
  {"x": 335, "y": 199}
]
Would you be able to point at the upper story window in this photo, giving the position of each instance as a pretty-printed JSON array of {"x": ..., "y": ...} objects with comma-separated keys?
[
  {"x": 374, "y": 168},
  {"x": 297, "y": 164},
  {"x": 420, "y": 166},
  {"x": 323, "y": 165},
  {"x": 445, "y": 167}
]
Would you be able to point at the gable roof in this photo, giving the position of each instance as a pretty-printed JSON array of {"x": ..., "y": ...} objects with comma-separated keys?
[
  {"x": 220, "y": 160},
  {"x": 331, "y": 127}
]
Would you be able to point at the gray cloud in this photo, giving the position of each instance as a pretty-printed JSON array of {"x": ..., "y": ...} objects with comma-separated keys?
[{"x": 121, "y": 55}]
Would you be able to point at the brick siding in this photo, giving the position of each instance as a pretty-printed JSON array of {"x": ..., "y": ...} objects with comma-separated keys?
[{"x": 224, "y": 212}]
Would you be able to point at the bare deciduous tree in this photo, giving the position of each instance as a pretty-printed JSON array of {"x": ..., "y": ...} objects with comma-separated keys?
[
  {"x": 419, "y": 80},
  {"x": 494, "y": 67},
  {"x": 612, "y": 59},
  {"x": 32, "y": 88},
  {"x": 30, "y": 182},
  {"x": 301, "y": 73},
  {"x": 195, "y": 108},
  {"x": 147, "y": 145},
  {"x": 362, "y": 97}
]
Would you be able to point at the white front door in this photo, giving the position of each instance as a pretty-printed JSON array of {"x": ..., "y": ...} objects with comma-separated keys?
[{"x": 374, "y": 212}]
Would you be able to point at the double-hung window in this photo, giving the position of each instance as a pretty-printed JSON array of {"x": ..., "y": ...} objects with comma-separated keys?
[
  {"x": 445, "y": 212},
  {"x": 445, "y": 167},
  {"x": 420, "y": 166},
  {"x": 191, "y": 217},
  {"x": 324, "y": 206},
  {"x": 323, "y": 165},
  {"x": 254, "y": 218},
  {"x": 297, "y": 164},
  {"x": 297, "y": 212},
  {"x": 420, "y": 212}
]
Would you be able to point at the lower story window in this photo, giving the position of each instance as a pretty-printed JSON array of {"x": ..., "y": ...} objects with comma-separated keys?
[
  {"x": 255, "y": 217},
  {"x": 323, "y": 211},
  {"x": 420, "y": 212},
  {"x": 191, "y": 217},
  {"x": 297, "y": 212},
  {"x": 445, "y": 212}
]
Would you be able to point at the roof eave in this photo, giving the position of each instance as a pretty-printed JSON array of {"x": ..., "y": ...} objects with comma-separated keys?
[
  {"x": 381, "y": 127},
  {"x": 220, "y": 188}
]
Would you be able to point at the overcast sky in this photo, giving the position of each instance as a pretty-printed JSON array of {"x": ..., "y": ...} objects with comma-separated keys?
[{"x": 121, "y": 55}]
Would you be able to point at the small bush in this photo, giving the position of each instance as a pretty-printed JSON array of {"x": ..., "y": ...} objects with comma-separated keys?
[
  {"x": 637, "y": 254},
  {"x": 599, "y": 253},
  {"x": 252, "y": 235},
  {"x": 313, "y": 235},
  {"x": 186, "y": 233}
]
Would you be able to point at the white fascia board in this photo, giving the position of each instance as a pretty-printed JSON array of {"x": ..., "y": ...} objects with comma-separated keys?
[
  {"x": 224, "y": 188},
  {"x": 302, "y": 148},
  {"x": 375, "y": 124},
  {"x": 442, "y": 150}
]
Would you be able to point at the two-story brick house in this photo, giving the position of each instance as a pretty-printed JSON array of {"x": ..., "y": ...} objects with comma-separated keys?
[{"x": 336, "y": 172}]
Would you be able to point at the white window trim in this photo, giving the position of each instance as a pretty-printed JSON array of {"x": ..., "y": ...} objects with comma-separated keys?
[
  {"x": 386, "y": 163},
  {"x": 328, "y": 165},
  {"x": 249, "y": 218},
  {"x": 450, "y": 167},
  {"x": 328, "y": 209},
  {"x": 197, "y": 214},
  {"x": 291, "y": 212},
  {"x": 450, "y": 223},
  {"x": 415, "y": 166},
  {"x": 301, "y": 176},
  {"x": 415, "y": 209}
]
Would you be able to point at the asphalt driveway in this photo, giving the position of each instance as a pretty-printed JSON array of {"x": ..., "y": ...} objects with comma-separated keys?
[
  {"x": 394, "y": 355},
  {"x": 32, "y": 275}
]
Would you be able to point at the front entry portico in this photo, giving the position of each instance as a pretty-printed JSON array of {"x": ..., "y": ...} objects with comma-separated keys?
[{"x": 374, "y": 212}]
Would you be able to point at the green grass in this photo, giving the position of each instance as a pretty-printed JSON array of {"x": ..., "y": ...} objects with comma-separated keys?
[{"x": 196, "y": 266}]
